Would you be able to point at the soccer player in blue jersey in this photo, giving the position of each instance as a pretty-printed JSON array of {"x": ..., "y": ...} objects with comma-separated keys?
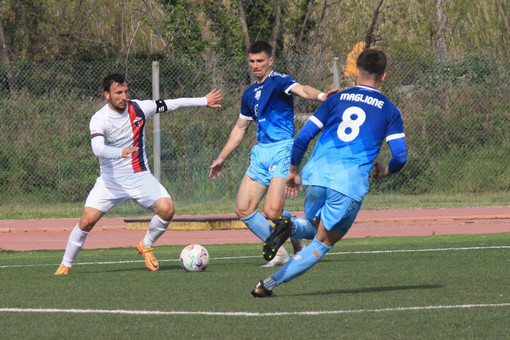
[
  {"x": 270, "y": 104},
  {"x": 354, "y": 124}
]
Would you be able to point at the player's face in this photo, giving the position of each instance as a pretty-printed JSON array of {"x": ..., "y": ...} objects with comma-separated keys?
[
  {"x": 260, "y": 64},
  {"x": 117, "y": 97}
]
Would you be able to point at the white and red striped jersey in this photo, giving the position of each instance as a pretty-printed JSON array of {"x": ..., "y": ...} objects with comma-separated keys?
[{"x": 111, "y": 132}]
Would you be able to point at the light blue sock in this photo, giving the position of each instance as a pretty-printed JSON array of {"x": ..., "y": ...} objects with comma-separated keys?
[
  {"x": 258, "y": 224},
  {"x": 303, "y": 228},
  {"x": 300, "y": 263}
]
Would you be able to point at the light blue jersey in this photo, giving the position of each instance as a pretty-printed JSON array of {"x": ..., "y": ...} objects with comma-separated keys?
[
  {"x": 355, "y": 122},
  {"x": 271, "y": 106}
]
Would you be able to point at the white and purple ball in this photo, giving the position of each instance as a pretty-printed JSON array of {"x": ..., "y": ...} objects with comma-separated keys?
[{"x": 194, "y": 258}]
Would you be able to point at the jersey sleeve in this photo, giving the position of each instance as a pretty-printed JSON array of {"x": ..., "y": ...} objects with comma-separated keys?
[
  {"x": 96, "y": 126},
  {"x": 395, "y": 128},
  {"x": 311, "y": 129},
  {"x": 286, "y": 82},
  {"x": 303, "y": 139},
  {"x": 395, "y": 138},
  {"x": 398, "y": 154},
  {"x": 245, "y": 109},
  {"x": 151, "y": 107},
  {"x": 321, "y": 116},
  {"x": 99, "y": 147},
  {"x": 102, "y": 150},
  {"x": 179, "y": 103}
]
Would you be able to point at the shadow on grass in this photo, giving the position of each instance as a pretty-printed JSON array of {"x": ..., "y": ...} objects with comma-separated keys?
[
  {"x": 373, "y": 290},
  {"x": 134, "y": 269}
]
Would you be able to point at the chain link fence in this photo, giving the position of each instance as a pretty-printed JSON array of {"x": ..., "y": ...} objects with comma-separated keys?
[{"x": 456, "y": 116}]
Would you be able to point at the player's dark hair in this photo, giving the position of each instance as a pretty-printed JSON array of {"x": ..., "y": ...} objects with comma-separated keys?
[
  {"x": 261, "y": 46},
  {"x": 111, "y": 79},
  {"x": 372, "y": 61}
]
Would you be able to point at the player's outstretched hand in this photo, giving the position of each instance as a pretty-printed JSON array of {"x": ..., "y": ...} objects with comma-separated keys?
[
  {"x": 215, "y": 169},
  {"x": 380, "y": 170},
  {"x": 213, "y": 98},
  {"x": 329, "y": 93},
  {"x": 126, "y": 152}
]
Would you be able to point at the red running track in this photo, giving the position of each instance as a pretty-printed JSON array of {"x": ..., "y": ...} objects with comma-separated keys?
[{"x": 22, "y": 235}]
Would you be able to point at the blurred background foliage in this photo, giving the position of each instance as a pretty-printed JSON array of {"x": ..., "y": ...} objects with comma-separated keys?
[{"x": 448, "y": 73}]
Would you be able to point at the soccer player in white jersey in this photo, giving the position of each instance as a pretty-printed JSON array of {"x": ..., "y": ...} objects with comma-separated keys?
[
  {"x": 354, "y": 124},
  {"x": 270, "y": 104},
  {"x": 118, "y": 140}
]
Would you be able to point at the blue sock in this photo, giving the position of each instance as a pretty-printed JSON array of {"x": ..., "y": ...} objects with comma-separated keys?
[
  {"x": 301, "y": 262},
  {"x": 258, "y": 224},
  {"x": 303, "y": 228}
]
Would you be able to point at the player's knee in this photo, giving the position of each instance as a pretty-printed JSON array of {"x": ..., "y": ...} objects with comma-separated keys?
[
  {"x": 89, "y": 219},
  {"x": 164, "y": 208},
  {"x": 273, "y": 214},
  {"x": 86, "y": 224},
  {"x": 167, "y": 213},
  {"x": 328, "y": 238},
  {"x": 243, "y": 212}
]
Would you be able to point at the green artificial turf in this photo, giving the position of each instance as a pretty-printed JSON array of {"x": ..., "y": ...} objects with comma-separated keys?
[{"x": 370, "y": 288}]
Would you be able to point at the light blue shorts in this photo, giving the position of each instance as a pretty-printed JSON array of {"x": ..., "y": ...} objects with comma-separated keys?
[
  {"x": 336, "y": 210},
  {"x": 270, "y": 160}
]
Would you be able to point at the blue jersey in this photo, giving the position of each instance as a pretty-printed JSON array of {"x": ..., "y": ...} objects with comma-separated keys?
[
  {"x": 271, "y": 106},
  {"x": 355, "y": 123}
]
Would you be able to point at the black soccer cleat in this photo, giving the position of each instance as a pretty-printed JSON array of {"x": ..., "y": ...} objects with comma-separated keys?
[
  {"x": 260, "y": 290},
  {"x": 281, "y": 232}
]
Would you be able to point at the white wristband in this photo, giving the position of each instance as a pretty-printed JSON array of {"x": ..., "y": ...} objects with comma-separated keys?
[{"x": 320, "y": 95}]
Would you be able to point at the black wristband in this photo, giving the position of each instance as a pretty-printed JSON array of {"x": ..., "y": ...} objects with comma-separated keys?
[{"x": 161, "y": 106}]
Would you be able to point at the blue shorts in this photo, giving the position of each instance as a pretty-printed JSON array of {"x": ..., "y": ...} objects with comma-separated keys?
[
  {"x": 270, "y": 160},
  {"x": 336, "y": 210}
]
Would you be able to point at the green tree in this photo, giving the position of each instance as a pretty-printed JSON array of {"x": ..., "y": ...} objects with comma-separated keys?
[{"x": 181, "y": 28}]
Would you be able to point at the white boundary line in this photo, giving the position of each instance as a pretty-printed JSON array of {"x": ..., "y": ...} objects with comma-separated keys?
[
  {"x": 248, "y": 257},
  {"x": 249, "y": 314}
]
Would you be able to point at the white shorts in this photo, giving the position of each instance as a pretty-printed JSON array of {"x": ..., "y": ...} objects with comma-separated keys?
[{"x": 142, "y": 187}]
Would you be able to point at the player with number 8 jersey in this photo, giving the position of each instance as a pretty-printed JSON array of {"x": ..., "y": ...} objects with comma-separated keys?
[{"x": 353, "y": 134}]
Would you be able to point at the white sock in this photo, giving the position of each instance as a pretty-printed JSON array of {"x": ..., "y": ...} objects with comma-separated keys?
[
  {"x": 157, "y": 227},
  {"x": 74, "y": 244}
]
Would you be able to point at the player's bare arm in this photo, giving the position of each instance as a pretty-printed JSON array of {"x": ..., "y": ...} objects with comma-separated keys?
[
  {"x": 308, "y": 92},
  {"x": 236, "y": 137},
  {"x": 213, "y": 98},
  {"x": 328, "y": 94}
]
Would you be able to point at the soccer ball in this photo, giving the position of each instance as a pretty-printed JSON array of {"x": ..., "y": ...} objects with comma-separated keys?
[{"x": 194, "y": 258}]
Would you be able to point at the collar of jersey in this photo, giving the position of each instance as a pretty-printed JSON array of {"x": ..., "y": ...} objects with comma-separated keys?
[
  {"x": 366, "y": 87},
  {"x": 115, "y": 113},
  {"x": 269, "y": 75}
]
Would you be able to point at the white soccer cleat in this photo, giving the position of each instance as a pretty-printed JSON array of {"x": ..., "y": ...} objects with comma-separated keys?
[{"x": 278, "y": 260}]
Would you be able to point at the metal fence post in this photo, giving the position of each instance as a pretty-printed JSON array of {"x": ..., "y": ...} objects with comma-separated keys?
[
  {"x": 336, "y": 73},
  {"x": 157, "y": 129}
]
